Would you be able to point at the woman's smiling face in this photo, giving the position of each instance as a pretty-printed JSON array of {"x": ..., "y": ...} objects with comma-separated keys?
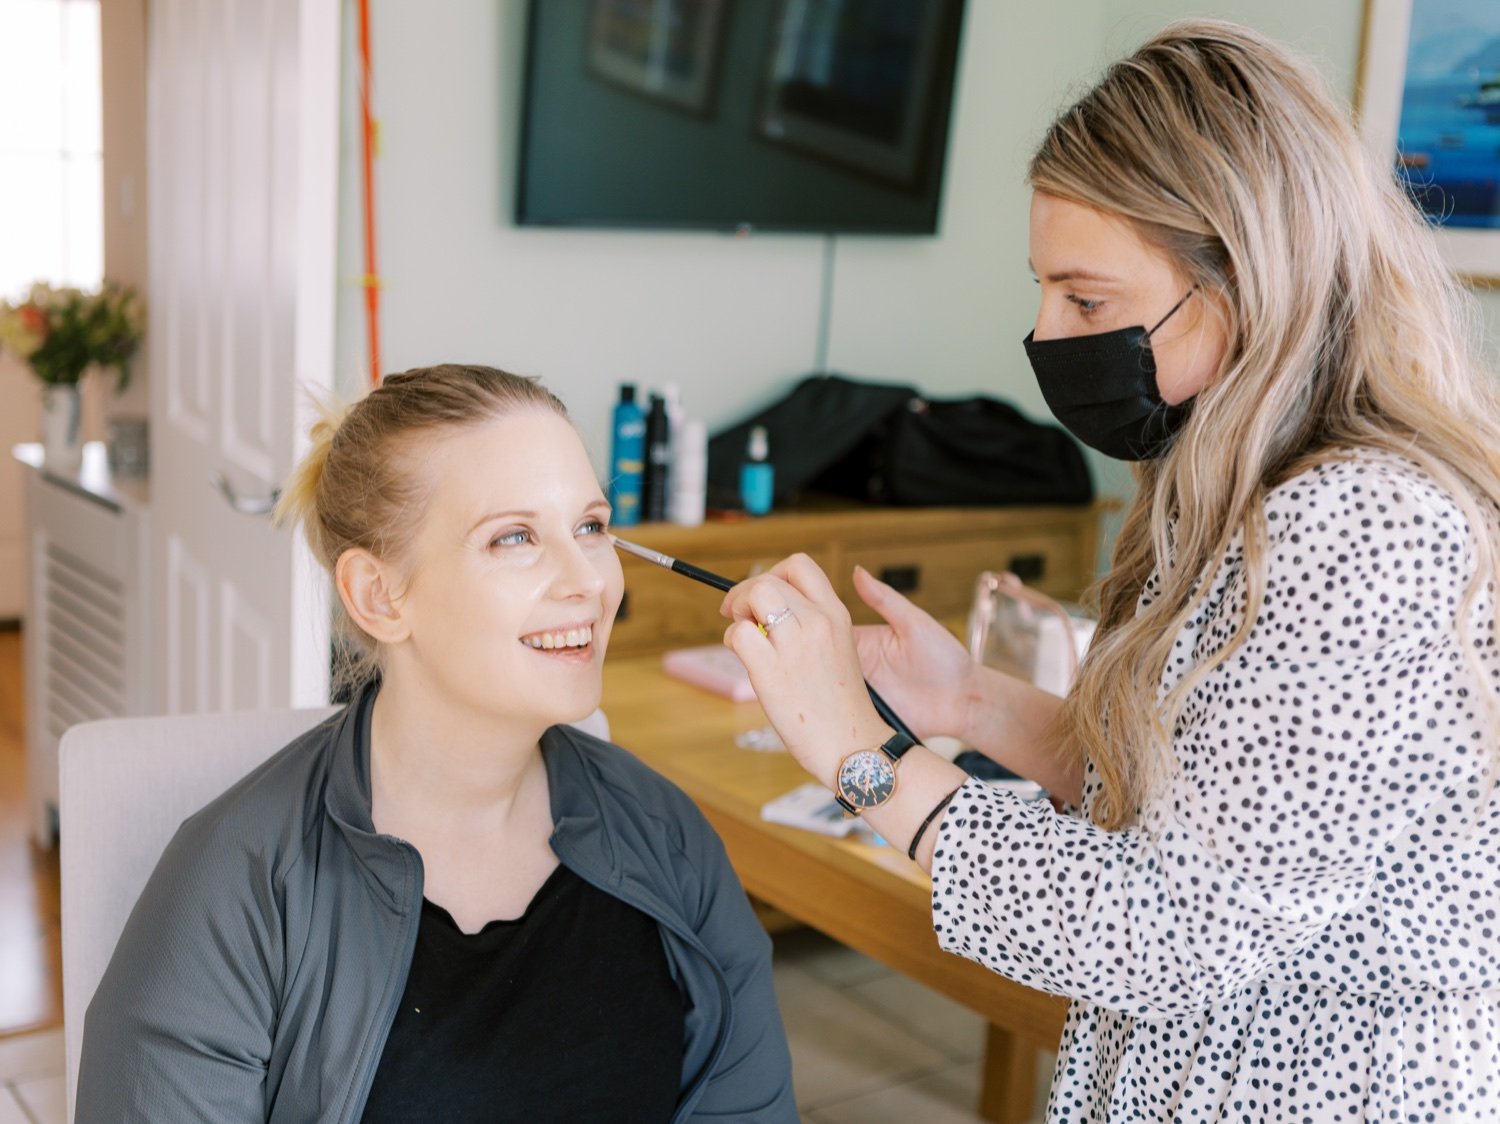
[{"x": 513, "y": 583}]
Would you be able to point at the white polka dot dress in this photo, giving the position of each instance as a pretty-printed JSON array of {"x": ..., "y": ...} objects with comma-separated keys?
[{"x": 1305, "y": 924}]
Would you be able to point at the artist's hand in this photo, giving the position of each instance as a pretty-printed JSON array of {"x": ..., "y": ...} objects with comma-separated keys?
[
  {"x": 805, "y": 667},
  {"x": 916, "y": 664}
]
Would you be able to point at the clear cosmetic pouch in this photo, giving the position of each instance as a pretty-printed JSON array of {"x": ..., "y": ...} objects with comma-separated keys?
[{"x": 1023, "y": 632}]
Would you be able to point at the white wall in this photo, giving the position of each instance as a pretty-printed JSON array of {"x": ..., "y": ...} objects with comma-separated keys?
[
  {"x": 733, "y": 320},
  {"x": 122, "y": 29}
]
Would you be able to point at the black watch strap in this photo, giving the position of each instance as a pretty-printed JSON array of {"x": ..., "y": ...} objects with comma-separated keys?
[{"x": 897, "y": 744}]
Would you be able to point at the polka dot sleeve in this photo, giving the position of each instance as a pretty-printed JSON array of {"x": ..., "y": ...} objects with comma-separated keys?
[{"x": 1346, "y": 715}]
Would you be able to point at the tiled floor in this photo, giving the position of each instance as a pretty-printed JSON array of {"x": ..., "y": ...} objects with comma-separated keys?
[
  {"x": 870, "y": 1045},
  {"x": 31, "y": 1079}
]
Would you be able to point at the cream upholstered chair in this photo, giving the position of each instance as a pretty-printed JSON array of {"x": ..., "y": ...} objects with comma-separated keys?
[{"x": 126, "y": 785}]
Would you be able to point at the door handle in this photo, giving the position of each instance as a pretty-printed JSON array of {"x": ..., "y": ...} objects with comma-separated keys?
[{"x": 244, "y": 505}]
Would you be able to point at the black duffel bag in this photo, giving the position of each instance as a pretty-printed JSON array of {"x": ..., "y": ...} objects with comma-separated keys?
[{"x": 888, "y": 444}]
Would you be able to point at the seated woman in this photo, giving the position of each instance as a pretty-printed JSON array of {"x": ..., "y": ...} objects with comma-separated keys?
[{"x": 444, "y": 903}]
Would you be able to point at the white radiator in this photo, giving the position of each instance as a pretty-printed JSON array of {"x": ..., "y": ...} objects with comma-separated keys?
[{"x": 87, "y": 648}]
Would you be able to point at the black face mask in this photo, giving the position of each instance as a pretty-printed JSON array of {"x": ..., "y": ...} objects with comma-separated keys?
[{"x": 1103, "y": 389}]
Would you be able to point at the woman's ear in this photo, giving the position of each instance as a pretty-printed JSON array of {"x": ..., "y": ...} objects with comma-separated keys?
[{"x": 365, "y": 585}]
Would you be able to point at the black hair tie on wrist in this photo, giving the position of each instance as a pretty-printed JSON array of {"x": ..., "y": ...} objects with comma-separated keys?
[{"x": 911, "y": 852}]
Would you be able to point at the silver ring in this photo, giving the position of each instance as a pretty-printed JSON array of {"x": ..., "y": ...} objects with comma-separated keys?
[{"x": 775, "y": 619}]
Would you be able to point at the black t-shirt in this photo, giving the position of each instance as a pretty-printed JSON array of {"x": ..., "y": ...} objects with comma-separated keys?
[{"x": 566, "y": 1013}]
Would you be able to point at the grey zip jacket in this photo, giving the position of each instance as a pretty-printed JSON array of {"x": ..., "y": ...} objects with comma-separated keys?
[{"x": 259, "y": 973}]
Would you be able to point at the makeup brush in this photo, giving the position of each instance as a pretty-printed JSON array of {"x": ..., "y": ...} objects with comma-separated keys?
[
  {"x": 676, "y": 565},
  {"x": 719, "y": 582}
]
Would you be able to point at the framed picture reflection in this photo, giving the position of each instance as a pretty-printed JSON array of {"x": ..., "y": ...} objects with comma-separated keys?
[{"x": 666, "y": 50}]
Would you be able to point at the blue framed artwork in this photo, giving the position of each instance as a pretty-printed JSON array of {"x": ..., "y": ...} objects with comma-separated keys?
[{"x": 1429, "y": 103}]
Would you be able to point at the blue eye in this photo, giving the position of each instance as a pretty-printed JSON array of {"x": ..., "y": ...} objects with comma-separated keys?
[
  {"x": 592, "y": 527},
  {"x": 1085, "y": 306},
  {"x": 512, "y": 538}
]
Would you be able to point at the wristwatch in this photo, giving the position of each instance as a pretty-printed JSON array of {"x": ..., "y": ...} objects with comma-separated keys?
[{"x": 867, "y": 777}]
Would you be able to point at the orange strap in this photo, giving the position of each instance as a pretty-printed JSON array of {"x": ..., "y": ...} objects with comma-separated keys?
[{"x": 371, "y": 280}]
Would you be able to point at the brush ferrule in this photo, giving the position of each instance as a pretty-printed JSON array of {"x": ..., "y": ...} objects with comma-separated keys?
[{"x": 655, "y": 557}]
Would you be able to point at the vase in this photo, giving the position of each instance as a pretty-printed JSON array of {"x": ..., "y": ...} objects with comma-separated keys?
[{"x": 62, "y": 428}]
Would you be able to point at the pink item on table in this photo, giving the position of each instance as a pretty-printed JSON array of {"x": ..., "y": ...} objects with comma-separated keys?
[{"x": 714, "y": 668}]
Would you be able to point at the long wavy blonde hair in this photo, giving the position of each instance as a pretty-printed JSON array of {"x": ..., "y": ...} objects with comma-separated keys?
[{"x": 1345, "y": 330}]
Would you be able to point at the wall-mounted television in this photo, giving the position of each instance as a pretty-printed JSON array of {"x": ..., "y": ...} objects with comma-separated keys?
[{"x": 789, "y": 115}]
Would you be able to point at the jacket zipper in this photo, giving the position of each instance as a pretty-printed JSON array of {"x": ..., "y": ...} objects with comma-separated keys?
[{"x": 370, "y": 1061}]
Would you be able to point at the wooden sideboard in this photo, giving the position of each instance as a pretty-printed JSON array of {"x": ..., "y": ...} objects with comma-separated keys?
[{"x": 933, "y": 555}]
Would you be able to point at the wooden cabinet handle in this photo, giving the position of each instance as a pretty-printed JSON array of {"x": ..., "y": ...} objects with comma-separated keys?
[
  {"x": 903, "y": 579},
  {"x": 1028, "y": 567}
]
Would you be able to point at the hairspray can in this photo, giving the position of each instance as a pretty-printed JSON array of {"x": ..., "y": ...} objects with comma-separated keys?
[{"x": 627, "y": 459}]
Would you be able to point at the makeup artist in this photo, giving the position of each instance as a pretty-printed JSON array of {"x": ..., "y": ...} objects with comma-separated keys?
[{"x": 1277, "y": 898}]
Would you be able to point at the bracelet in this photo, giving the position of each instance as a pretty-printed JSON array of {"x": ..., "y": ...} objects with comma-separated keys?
[{"x": 911, "y": 852}]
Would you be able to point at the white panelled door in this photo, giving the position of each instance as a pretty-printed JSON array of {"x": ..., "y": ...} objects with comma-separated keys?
[{"x": 243, "y": 175}]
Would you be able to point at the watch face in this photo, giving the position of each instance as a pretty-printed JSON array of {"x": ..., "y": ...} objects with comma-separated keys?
[{"x": 867, "y": 778}]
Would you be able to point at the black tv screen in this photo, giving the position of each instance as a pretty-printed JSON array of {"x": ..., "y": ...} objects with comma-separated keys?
[{"x": 794, "y": 115}]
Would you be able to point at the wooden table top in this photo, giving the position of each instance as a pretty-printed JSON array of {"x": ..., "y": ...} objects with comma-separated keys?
[{"x": 689, "y": 734}]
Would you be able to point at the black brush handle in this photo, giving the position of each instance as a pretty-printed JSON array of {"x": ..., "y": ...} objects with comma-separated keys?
[{"x": 698, "y": 574}]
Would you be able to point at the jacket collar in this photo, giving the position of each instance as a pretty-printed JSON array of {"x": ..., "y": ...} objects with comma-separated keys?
[
  {"x": 579, "y": 831},
  {"x": 347, "y": 796},
  {"x": 388, "y": 862},
  {"x": 579, "y": 837}
]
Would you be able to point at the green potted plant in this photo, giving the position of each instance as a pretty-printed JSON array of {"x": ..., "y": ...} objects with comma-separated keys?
[{"x": 62, "y": 334}]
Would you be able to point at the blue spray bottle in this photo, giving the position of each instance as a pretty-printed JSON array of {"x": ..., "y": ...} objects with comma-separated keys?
[
  {"x": 757, "y": 476},
  {"x": 627, "y": 459}
]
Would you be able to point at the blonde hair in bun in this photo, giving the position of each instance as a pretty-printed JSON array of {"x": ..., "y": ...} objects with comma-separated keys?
[{"x": 297, "y": 503}]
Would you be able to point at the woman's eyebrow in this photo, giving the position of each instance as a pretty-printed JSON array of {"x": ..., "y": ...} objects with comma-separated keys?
[
  {"x": 501, "y": 515},
  {"x": 1077, "y": 275},
  {"x": 601, "y": 504}
]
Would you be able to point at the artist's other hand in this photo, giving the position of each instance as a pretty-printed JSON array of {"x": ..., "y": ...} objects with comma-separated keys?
[
  {"x": 916, "y": 664},
  {"x": 805, "y": 668}
]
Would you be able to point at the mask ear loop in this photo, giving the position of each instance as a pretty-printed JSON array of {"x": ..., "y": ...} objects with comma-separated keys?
[
  {"x": 1172, "y": 311},
  {"x": 1161, "y": 407}
]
